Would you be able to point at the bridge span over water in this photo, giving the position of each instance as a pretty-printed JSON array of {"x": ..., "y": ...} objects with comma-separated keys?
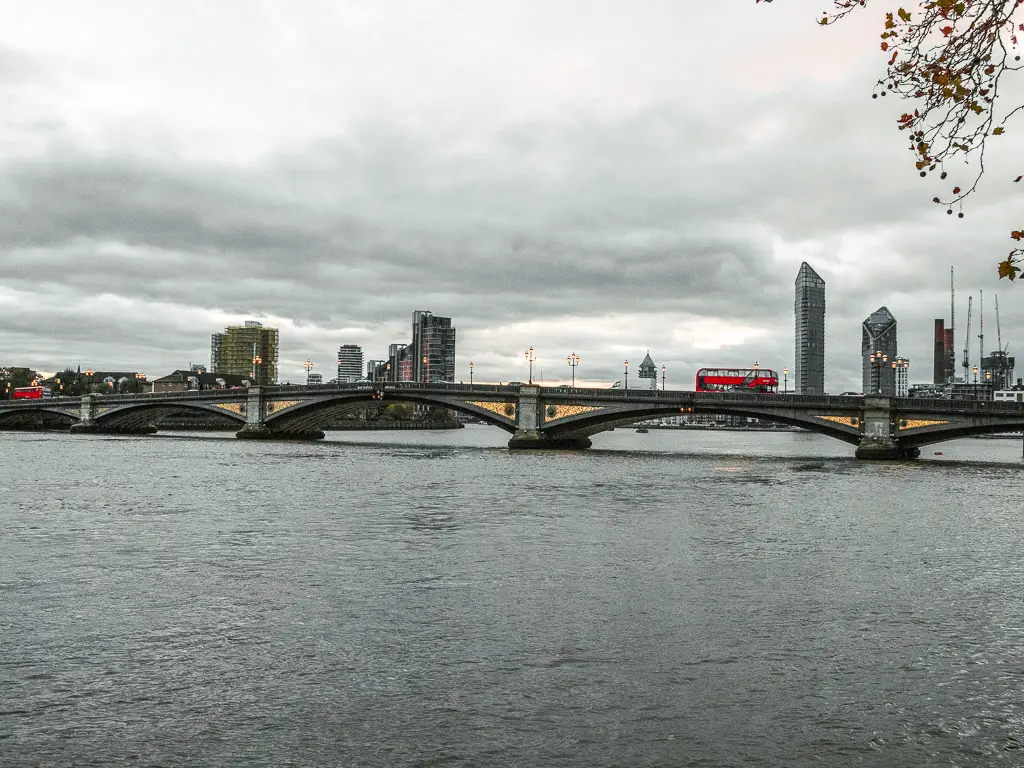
[{"x": 535, "y": 416}]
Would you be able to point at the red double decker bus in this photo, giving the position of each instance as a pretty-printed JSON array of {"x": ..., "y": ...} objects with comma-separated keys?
[
  {"x": 27, "y": 393},
  {"x": 737, "y": 379}
]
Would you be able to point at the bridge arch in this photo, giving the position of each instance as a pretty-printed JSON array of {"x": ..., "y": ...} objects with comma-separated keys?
[
  {"x": 42, "y": 416},
  {"x": 930, "y": 436},
  {"x": 589, "y": 424},
  {"x": 138, "y": 417},
  {"x": 308, "y": 417}
]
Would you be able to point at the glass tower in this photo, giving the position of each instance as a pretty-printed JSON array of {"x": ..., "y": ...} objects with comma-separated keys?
[
  {"x": 878, "y": 335},
  {"x": 809, "y": 309}
]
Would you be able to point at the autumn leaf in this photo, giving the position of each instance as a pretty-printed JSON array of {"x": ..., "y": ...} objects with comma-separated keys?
[
  {"x": 956, "y": 190},
  {"x": 997, "y": 131},
  {"x": 1016, "y": 234},
  {"x": 1018, "y": 179},
  {"x": 1008, "y": 269}
]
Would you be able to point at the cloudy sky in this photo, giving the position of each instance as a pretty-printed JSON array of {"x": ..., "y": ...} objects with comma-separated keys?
[{"x": 580, "y": 176}]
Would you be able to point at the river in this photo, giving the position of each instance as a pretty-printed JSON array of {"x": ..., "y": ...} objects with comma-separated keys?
[{"x": 676, "y": 598}]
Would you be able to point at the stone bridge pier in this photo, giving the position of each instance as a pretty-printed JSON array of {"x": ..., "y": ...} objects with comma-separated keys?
[
  {"x": 85, "y": 421},
  {"x": 256, "y": 421},
  {"x": 529, "y": 433},
  {"x": 878, "y": 432}
]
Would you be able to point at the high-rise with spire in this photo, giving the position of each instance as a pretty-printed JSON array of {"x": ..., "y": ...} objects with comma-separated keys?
[{"x": 809, "y": 355}]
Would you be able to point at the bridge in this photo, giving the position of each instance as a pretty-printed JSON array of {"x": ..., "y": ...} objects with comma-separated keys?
[{"x": 535, "y": 416}]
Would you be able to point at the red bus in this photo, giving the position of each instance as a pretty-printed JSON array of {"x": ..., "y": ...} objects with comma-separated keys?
[
  {"x": 737, "y": 379},
  {"x": 27, "y": 393}
]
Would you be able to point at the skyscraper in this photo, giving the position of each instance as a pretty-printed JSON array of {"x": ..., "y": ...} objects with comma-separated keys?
[
  {"x": 243, "y": 350},
  {"x": 350, "y": 363},
  {"x": 432, "y": 351},
  {"x": 809, "y": 309},
  {"x": 878, "y": 340}
]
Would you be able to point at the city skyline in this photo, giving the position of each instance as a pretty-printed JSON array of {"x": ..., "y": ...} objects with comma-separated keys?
[{"x": 555, "y": 191}]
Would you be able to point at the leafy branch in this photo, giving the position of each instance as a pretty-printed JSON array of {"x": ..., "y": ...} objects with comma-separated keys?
[{"x": 949, "y": 58}]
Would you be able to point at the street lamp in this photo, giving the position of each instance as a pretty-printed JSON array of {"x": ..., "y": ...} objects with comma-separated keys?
[
  {"x": 308, "y": 365},
  {"x": 426, "y": 367},
  {"x": 785, "y": 381},
  {"x": 531, "y": 358},
  {"x": 573, "y": 361},
  {"x": 625, "y": 374},
  {"x": 663, "y": 378},
  {"x": 471, "y": 373},
  {"x": 256, "y": 360},
  {"x": 877, "y": 360}
]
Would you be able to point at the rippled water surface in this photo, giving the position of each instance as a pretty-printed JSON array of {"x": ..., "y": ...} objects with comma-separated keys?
[{"x": 429, "y": 598}]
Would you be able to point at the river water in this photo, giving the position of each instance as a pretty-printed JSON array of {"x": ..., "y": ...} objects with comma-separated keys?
[{"x": 674, "y": 598}]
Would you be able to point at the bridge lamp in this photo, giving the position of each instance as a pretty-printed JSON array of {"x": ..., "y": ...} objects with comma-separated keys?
[
  {"x": 256, "y": 360},
  {"x": 426, "y": 367},
  {"x": 471, "y": 373},
  {"x": 877, "y": 360},
  {"x": 573, "y": 361},
  {"x": 625, "y": 374},
  {"x": 785, "y": 381},
  {"x": 663, "y": 378},
  {"x": 531, "y": 358}
]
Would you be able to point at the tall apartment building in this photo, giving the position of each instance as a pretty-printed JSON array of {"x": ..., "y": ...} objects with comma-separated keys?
[
  {"x": 350, "y": 363},
  {"x": 809, "y": 310},
  {"x": 878, "y": 339},
  {"x": 942, "y": 358},
  {"x": 432, "y": 351},
  {"x": 244, "y": 350}
]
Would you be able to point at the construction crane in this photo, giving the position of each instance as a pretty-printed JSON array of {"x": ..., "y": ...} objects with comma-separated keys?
[
  {"x": 981, "y": 331},
  {"x": 999, "y": 333},
  {"x": 967, "y": 341}
]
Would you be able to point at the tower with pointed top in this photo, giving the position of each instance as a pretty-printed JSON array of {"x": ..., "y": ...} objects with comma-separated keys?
[
  {"x": 878, "y": 335},
  {"x": 809, "y": 354},
  {"x": 649, "y": 371}
]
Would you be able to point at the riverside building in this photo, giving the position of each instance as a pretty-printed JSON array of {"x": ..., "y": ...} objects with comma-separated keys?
[{"x": 809, "y": 311}]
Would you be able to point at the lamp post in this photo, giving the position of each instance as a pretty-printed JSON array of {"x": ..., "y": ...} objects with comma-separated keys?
[
  {"x": 426, "y": 367},
  {"x": 88, "y": 380},
  {"x": 531, "y": 358},
  {"x": 625, "y": 374},
  {"x": 975, "y": 370},
  {"x": 785, "y": 381},
  {"x": 877, "y": 360},
  {"x": 573, "y": 360},
  {"x": 471, "y": 373},
  {"x": 308, "y": 365},
  {"x": 663, "y": 378},
  {"x": 256, "y": 360}
]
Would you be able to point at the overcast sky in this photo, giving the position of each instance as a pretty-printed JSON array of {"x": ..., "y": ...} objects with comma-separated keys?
[{"x": 578, "y": 176}]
